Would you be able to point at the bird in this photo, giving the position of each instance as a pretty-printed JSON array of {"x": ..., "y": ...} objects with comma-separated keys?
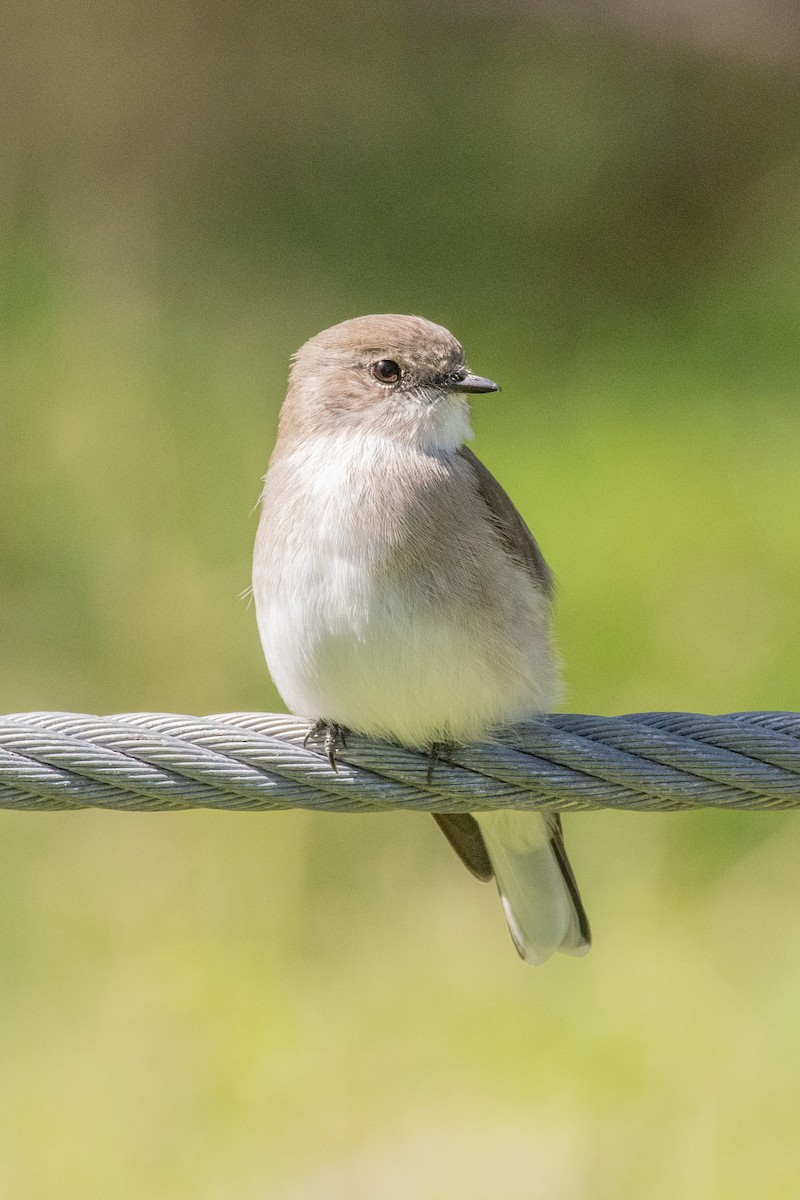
[{"x": 399, "y": 594}]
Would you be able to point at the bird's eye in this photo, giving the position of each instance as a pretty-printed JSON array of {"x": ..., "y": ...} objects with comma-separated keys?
[{"x": 387, "y": 370}]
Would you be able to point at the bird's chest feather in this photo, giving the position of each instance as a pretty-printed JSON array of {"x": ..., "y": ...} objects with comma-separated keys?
[
  {"x": 352, "y": 542},
  {"x": 378, "y": 603},
  {"x": 339, "y": 530}
]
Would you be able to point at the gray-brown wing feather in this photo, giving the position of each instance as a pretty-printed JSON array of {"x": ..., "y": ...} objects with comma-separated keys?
[
  {"x": 512, "y": 530},
  {"x": 461, "y": 830},
  {"x": 463, "y": 834}
]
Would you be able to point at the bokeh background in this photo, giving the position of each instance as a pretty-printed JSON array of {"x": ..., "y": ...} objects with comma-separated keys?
[{"x": 601, "y": 200}]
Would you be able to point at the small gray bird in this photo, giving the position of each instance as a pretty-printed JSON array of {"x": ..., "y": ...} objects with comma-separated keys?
[{"x": 399, "y": 593}]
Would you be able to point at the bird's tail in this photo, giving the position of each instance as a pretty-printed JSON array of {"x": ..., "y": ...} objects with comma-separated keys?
[{"x": 536, "y": 884}]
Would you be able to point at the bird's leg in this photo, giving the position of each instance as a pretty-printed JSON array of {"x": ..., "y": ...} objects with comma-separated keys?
[
  {"x": 313, "y": 730},
  {"x": 333, "y": 735},
  {"x": 438, "y": 750}
]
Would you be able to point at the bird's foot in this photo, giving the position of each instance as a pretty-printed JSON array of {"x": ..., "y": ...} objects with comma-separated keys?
[
  {"x": 334, "y": 735},
  {"x": 438, "y": 750}
]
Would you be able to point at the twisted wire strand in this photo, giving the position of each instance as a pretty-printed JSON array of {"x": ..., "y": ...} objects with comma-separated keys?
[{"x": 651, "y": 762}]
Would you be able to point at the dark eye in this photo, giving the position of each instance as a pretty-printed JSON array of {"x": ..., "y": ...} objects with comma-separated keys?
[{"x": 387, "y": 370}]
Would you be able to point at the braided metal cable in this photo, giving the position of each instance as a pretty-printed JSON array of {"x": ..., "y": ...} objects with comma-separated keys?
[{"x": 157, "y": 761}]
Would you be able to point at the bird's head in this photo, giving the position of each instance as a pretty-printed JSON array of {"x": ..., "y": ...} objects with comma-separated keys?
[{"x": 397, "y": 376}]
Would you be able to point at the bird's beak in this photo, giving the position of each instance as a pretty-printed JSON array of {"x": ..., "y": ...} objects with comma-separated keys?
[{"x": 474, "y": 383}]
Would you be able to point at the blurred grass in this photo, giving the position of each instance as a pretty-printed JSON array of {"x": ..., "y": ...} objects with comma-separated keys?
[{"x": 296, "y": 1006}]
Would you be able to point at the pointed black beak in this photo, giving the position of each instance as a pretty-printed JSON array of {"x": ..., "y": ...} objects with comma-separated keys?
[{"x": 474, "y": 383}]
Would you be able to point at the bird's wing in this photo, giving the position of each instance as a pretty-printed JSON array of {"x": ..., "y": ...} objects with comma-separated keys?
[
  {"x": 463, "y": 834},
  {"x": 512, "y": 530}
]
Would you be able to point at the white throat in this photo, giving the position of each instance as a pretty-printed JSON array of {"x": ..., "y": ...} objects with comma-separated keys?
[{"x": 447, "y": 426}]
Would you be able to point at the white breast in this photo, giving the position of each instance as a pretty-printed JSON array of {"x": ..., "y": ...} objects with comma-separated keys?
[{"x": 350, "y": 638}]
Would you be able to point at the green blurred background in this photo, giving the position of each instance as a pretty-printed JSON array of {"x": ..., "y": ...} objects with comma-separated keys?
[{"x": 602, "y": 202}]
